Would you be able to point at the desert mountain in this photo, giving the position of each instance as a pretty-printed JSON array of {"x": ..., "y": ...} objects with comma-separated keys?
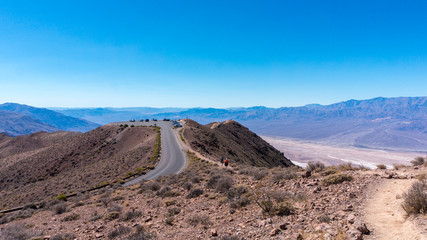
[
  {"x": 40, "y": 166},
  {"x": 14, "y": 124},
  {"x": 234, "y": 142},
  {"x": 390, "y": 123},
  {"x": 56, "y": 120}
]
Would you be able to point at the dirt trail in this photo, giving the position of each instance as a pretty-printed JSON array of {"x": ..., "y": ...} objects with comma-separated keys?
[{"x": 384, "y": 215}]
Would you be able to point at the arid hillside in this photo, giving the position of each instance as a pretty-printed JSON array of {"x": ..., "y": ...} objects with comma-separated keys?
[
  {"x": 43, "y": 165},
  {"x": 234, "y": 142},
  {"x": 207, "y": 201},
  {"x": 12, "y": 148}
]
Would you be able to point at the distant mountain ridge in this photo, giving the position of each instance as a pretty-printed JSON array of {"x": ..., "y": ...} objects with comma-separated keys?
[
  {"x": 17, "y": 119},
  {"x": 391, "y": 123},
  {"x": 14, "y": 124}
]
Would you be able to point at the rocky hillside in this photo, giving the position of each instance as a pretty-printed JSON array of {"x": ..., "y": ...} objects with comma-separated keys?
[
  {"x": 234, "y": 142},
  {"x": 207, "y": 201},
  {"x": 41, "y": 166}
]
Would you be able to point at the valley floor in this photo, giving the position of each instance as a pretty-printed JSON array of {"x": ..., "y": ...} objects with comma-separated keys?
[{"x": 302, "y": 152}]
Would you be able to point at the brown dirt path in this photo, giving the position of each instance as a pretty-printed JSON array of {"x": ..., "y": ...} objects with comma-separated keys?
[{"x": 384, "y": 215}]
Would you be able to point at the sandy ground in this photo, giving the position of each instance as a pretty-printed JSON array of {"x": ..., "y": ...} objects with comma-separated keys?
[
  {"x": 301, "y": 152},
  {"x": 384, "y": 215}
]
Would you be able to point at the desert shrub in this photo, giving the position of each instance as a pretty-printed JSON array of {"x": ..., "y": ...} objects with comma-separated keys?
[
  {"x": 315, "y": 166},
  {"x": 114, "y": 208},
  {"x": 345, "y": 167},
  {"x": 238, "y": 197},
  {"x": 195, "y": 179},
  {"x": 420, "y": 177},
  {"x": 337, "y": 178},
  {"x": 324, "y": 218},
  {"x": 173, "y": 211},
  {"x": 119, "y": 231},
  {"x": 24, "y": 213},
  {"x": 398, "y": 166},
  {"x": 60, "y": 208},
  {"x": 258, "y": 174},
  {"x": 224, "y": 184},
  {"x": 415, "y": 200},
  {"x": 280, "y": 196},
  {"x": 140, "y": 234},
  {"x": 71, "y": 217},
  {"x": 237, "y": 191},
  {"x": 418, "y": 161},
  {"x": 170, "y": 202},
  {"x": 381, "y": 166},
  {"x": 62, "y": 197},
  {"x": 110, "y": 216},
  {"x": 95, "y": 216},
  {"x": 78, "y": 204},
  {"x": 245, "y": 171},
  {"x": 330, "y": 170},
  {"x": 187, "y": 186},
  {"x": 195, "y": 193},
  {"x": 198, "y": 218},
  {"x": 15, "y": 232},
  {"x": 284, "y": 209},
  {"x": 167, "y": 192},
  {"x": 220, "y": 182},
  {"x": 363, "y": 168},
  {"x": 267, "y": 206},
  {"x": 151, "y": 185},
  {"x": 283, "y": 175},
  {"x": 65, "y": 236},
  {"x": 130, "y": 215},
  {"x": 104, "y": 199},
  {"x": 4, "y": 219},
  {"x": 30, "y": 206},
  {"x": 239, "y": 202}
]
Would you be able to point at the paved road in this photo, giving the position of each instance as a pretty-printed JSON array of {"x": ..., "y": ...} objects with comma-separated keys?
[{"x": 173, "y": 158}]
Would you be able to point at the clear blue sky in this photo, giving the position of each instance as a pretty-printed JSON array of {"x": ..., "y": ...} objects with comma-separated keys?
[{"x": 210, "y": 53}]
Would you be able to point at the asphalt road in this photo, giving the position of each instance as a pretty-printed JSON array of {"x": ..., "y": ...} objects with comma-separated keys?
[{"x": 172, "y": 159}]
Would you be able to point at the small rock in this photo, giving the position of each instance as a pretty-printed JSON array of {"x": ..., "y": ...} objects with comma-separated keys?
[
  {"x": 99, "y": 235},
  {"x": 283, "y": 226},
  {"x": 214, "y": 233},
  {"x": 353, "y": 234},
  {"x": 349, "y": 208},
  {"x": 351, "y": 218},
  {"x": 307, "y": 174},
  {"x": 362, "y": 228},
  {"x": 274, "y": 232}
]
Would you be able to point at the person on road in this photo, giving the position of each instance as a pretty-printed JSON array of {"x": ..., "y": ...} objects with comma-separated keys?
[
  {"x": 222, "y": 160},
  {"x": 226, "y": 162}
]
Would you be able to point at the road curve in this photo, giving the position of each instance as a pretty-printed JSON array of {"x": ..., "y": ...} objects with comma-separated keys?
[{"x": 172, "y": 159}]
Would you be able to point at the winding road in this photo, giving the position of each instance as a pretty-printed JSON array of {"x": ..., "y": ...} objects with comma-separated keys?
[{"x": 172, "y": 159}]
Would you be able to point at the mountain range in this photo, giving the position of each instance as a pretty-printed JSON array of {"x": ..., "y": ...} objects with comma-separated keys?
[
  {"x": 17, "y": 119},
  {"x": 385, "y": 123}
]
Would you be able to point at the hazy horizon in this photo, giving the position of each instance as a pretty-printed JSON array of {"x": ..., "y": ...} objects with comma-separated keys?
[{"x": 198, "y": 107}]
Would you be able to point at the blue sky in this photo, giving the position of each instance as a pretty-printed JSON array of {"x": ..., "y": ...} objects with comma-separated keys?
[{"x": 210, "y": 53}]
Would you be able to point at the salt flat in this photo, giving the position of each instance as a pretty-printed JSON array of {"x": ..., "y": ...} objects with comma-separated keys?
[{"x": 302, "y": 152}]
